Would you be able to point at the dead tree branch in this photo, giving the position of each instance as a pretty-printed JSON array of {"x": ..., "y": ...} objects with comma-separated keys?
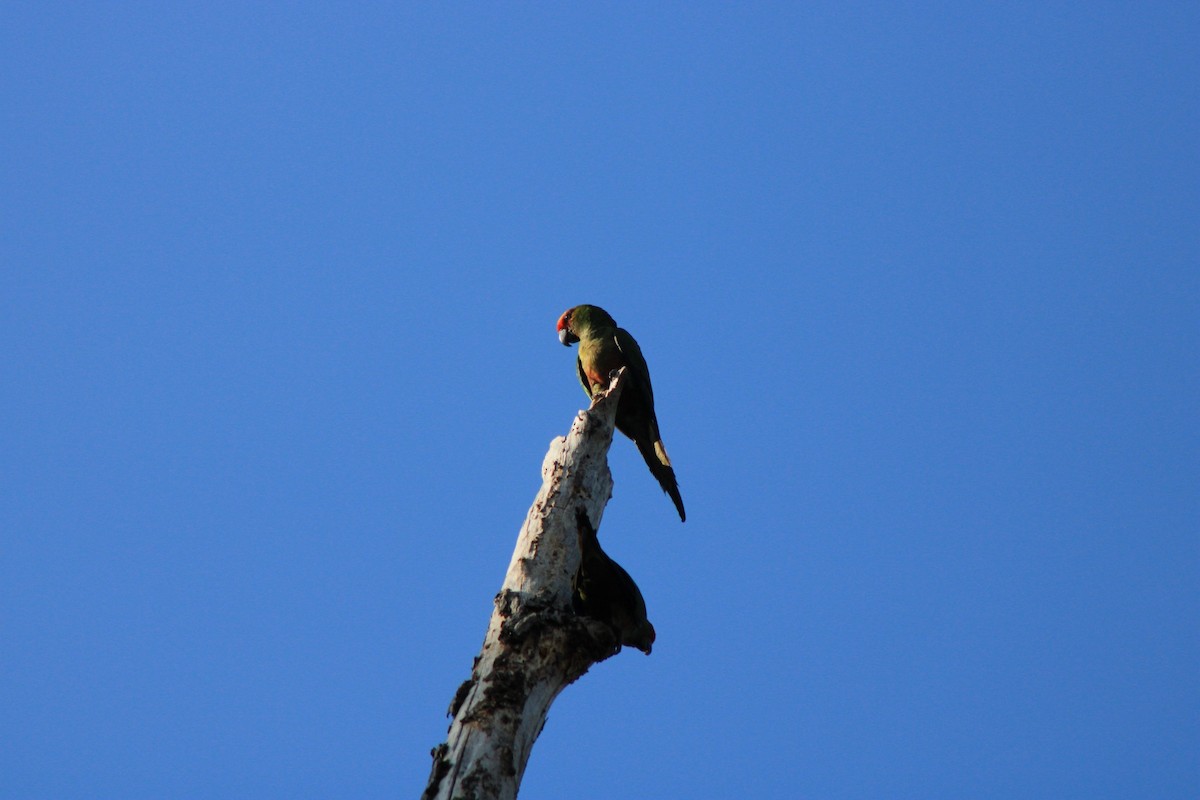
[{"x": 536, "y": 644}]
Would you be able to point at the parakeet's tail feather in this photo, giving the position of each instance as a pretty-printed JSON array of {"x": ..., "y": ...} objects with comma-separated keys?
[{"x": 655, "y": 456}]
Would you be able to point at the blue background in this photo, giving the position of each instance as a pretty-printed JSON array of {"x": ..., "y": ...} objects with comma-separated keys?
[{"x": 918, "y": 285}]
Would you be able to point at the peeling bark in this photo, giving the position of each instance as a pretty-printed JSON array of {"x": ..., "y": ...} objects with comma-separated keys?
[{"x": 535, "y": 644}]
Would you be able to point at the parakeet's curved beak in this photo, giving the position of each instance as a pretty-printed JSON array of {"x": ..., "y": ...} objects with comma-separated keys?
[{"x": 566, "y": 337}]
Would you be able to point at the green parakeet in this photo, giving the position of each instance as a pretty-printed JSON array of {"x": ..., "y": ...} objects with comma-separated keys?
[
  {"x": 603, "y": 347},
  {"x": 604, "y": 591}
]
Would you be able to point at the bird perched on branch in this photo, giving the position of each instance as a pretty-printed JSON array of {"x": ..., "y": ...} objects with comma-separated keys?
[
  {"x": 604, "y": 591},
  {"x": 603, "y": 348}
]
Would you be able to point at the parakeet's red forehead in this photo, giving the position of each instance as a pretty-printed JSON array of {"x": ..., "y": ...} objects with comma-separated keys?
[{"x": 564, "y": 320}]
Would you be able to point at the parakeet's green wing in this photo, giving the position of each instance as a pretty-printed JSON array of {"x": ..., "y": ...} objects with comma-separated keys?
[
  {"x": 587, "y": 387},
  {"x": 635, "y": 363}
]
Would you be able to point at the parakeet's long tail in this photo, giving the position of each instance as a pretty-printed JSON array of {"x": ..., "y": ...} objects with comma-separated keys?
[{"x": 655, "y": 456}]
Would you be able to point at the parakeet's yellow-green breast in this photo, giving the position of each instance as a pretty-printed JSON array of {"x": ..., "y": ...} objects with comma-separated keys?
[{"x": 603, "y": 347}]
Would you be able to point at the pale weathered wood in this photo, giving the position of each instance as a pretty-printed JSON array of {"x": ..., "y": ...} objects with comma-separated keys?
[{"x": 535, "y": 644}]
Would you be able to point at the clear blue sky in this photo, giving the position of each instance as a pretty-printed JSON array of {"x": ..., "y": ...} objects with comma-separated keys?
[{"x": 919, "y": 286}]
